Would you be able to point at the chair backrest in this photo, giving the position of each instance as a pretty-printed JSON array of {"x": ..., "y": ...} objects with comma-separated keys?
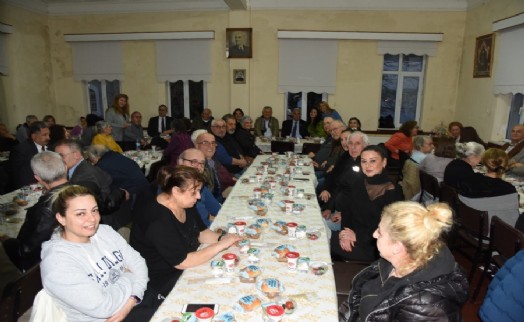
[
  {"x": 19, "y": 295},
  {"x": 310, "y": 147},
  {"x": 505, "y": 240},
  {"x": 475, "y": 222},
  {"x": 449, "y": 195},
  {"x": 282, "y": 146},
  {"x": 429, "y": 184}
]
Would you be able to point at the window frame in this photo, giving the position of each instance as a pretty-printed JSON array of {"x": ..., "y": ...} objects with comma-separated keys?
[
  {"x": 185, "y": 87},
  {"x": 103, "y": 95},
  {"x": 400, "y": 87},
  {"x": 303, "y": 102}
]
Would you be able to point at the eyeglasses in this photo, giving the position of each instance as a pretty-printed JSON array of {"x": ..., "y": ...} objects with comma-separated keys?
[
  {"x": 220, "y": 126},
  {"x": 207, "y": 143},
  {"x": 196, "y": 163}
]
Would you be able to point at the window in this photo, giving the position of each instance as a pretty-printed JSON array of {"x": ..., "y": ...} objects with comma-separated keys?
[
  {"x": 299, "y": 99},
  {"x": 402, "y": 84},
  {"x": 187, "y": 98},
  {"x": 516, "y": 113},
  {"x": 101, "y": 94}
]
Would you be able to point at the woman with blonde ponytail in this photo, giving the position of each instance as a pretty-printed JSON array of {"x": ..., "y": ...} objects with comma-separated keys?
[{"x": 417, "y": 278}]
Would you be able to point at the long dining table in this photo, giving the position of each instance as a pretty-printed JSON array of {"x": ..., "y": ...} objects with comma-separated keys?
[{"x": 314, "y": 296}]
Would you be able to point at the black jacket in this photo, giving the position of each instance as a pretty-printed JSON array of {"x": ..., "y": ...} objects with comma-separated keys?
[
  {"x": 246, "y": 140},
  {"x": 152, "y": 126},
  {"x": 433, "y": 293},
  {"x": 20, "y": 164},
  {"x": 287, "y": 127},
  {"x": 24, "y": 250}
]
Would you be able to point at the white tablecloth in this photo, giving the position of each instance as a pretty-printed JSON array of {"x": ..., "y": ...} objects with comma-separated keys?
[
  {"x": 265, "y": 145},
  {"x": 13, "y": 223},
  {"x": 144, "y": 158},
  {"x": 315, "y": 295}
]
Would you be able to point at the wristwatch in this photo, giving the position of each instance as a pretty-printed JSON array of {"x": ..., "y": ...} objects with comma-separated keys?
[{"x": 137, "y": 299}]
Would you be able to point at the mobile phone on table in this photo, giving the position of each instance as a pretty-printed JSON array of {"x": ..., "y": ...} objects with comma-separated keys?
[{"x": 193, "y": 307}]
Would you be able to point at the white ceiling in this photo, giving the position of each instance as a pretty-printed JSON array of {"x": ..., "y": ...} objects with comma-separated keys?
[{"x": 65, "y": 7}]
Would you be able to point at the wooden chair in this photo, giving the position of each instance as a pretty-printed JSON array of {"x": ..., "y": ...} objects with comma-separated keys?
[
  {"x": 310, "y": 147},
  {"x": 505, "y": 242},
  {"x": 429, "y": 184},
  {"x": 344, "y": 273},
  {"x": 19, "y": 295},
  {"x": 282, "y": 146},
  {"x": 449, "y": 195},
  {"x": 471, "y": 238}
]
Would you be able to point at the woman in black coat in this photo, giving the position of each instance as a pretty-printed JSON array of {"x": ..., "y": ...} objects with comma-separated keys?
[
  {"x": 417, "y": 278},
  {"x": 246, "y": 139}
]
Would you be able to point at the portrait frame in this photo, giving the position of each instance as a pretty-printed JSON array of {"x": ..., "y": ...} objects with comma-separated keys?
[
  {"x": 237, "y": 50},
  {"x": 239, "y": 76},
  {"x": 483, "y": 62}
]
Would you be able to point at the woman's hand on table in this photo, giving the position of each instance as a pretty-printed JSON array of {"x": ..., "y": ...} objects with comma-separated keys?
[
  {"x": 324, "y": 196},
  {"x": 228, "y": 239}
]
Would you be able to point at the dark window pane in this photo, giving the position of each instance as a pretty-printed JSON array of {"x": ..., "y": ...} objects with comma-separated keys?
[
  {"x": 177, "y": 99},
  {"x": 514, "y": 113},
  {"x": 112, "y": 90},
  {"x": 293, "y": 100},
  {"x": 391, "y": 63},
  {"x": 388, "y": 101},
  {"x": 408, "y": 110},
  {"x": 412, "y": 63},
  {"x": 196, "y": 98},
  {"x": 95, "y": 98}
]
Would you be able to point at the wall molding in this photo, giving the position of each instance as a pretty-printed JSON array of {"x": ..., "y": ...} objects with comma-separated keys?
[
  {"x": 141, "y": 36},
  {"x": 357, "y": 35}
]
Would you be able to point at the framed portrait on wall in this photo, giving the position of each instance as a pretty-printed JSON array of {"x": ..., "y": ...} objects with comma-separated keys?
[
  {"x": 483, "y": 56},
  {"x": 239, "y": 76},
  {"x": 239, "y": 43}
]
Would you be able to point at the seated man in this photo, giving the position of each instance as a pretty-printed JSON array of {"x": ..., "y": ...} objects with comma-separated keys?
[
  {"x": 218, "y": 179},
  {"x": 79, "y": 171},
  {"x": 295, "y": 127},
  {"x": 207, "y": 206},
  {"x": 228, "y": 151},
  {"x": 21, "y": 155},
  {"x": 134, "y": 133},
  {"x": 204, "y": 121},
  {"x": 266, "y": 125},
  {"x": 7, "y": 140},
  {"x": 22, "y": 131},
  {"x": 160, "y": 125},
  {"x": 24, "y": 250}
]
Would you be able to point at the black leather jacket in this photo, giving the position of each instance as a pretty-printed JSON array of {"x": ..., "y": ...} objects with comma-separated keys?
[
  {"x": 424, "y": 295},
  {"x": 40, "y": 221}
]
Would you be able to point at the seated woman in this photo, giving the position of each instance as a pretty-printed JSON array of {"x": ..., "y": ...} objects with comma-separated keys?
[
  {"x": 57, "y": 132},
  {"x": 489, "y": 192},
  {"x": 246, "y": 139},
  {"x": 469, "y": 134},
  {"x": 369, "y": 195},
  {"x": 104, "y": 137},
  {"x": 315, "y": 125},
  {"x": 435, "y": 164},
  {"x": 417, "y": 278},
  {"x": 328, "y": 111},
  {"x": 180, "y": 141},
  {"x": 422, "y": 147},
  {"x": 460, "y": 170},
  {"x": 238, "y": 114},
  {"x": 168, "y": 230},
  {"x": 401, "y": 143},
  {"x": 89, "y": 270}
]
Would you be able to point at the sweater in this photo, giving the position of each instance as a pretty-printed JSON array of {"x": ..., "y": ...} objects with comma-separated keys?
[{"x": 92, "y": 281}]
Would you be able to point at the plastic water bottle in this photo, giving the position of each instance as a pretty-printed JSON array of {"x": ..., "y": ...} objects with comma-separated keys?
[{"x": 137, "y": 144}]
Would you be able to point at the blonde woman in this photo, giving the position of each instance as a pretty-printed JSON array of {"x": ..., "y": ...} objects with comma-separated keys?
[{"x": 417, "y": 278}]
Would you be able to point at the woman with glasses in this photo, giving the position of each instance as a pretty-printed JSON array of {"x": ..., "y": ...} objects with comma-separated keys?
[{"x": 168, "y": 230}]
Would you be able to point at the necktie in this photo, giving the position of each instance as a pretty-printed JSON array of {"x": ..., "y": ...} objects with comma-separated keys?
[
  {"x": 294, "y": 130},
  {"x": 163, "y": 124}
]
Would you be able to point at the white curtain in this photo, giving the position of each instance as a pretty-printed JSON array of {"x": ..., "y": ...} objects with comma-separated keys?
[
  {"x": 97, "y": 60},
  {"x": 308, "y": 65},
  {"x": 188, "y": 59},
  {"x": 420, "y": 48},
  {"x": 508, "y": 65}
]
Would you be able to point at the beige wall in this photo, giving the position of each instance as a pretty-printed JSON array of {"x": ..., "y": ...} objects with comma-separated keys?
[
  {"x": 476, "y": 104},
  {"x": 46, "y": 61}
]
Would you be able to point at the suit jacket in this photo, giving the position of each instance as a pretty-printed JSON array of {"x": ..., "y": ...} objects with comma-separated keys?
[
  {"x": 235, "y": 51},
  {"x": 259, "y": 127},
  {"x": 87, "y": 172},
  {"x": 516, "y": 150},
  {"x": 20, "y": 164},
  {"x": 287, "y": 127},
  {"x": 152, "y": 126},
  {"x": 199, "y": 124}
]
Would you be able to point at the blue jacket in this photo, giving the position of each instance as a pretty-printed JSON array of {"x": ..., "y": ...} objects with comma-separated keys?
[
  {"x": 206, "y": 205},
  {"x": 504, "y": 301}
]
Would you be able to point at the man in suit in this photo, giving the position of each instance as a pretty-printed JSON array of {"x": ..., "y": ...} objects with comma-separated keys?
[
  {"x": 295, "y": 127},
  {"x": 21, "y": 155},
  {"x": 161, "y": 124},
  {"x": 240, "y": 48},
  {"x": 204, "y": 121}
]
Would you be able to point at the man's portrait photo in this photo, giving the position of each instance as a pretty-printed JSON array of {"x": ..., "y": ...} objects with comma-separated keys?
[{"x": 238, "y": 43}]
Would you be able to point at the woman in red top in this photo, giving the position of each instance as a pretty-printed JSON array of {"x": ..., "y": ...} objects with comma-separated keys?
[{"x": 402, "y": 141}]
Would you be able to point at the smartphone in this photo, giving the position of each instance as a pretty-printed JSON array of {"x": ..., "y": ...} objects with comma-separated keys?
[{"x": 191, "y": 308}]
